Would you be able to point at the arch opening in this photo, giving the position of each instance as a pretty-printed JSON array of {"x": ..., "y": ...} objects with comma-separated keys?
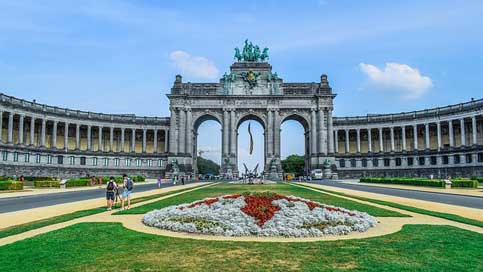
[
  {"x": 258, "y": 154},
  {"x": 294, "y": 146},
  {"x": 207, "y": 146}
]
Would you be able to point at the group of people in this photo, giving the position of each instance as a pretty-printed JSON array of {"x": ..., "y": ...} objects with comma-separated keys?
[{"x": 112, "y": 192}]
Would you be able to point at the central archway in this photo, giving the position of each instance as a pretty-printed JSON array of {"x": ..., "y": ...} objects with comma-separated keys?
[
  {"x": 207, "y": 145},
  {"x": 295, "y": 143},
  {"x": 257, "y": 158}
]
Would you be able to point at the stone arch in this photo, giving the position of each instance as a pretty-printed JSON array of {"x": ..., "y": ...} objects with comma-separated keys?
[
  {"x": 252, "y": 115},
  {"x": 201, "y": 117},
  {"x": 301, "y": 117}
]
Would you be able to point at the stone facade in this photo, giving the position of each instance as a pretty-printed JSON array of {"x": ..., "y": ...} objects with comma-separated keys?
[{"x": 41, "y": 140}]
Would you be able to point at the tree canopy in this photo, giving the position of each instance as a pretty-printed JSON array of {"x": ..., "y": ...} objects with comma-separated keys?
[
  {"x": 206, "y": 166},
  {"x": 294, "y": 164}
]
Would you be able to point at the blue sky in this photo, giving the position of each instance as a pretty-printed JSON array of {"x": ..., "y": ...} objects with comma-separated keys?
[{"x": 122, "y": 56}]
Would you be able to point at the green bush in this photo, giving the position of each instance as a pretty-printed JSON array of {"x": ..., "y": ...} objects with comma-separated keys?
[
  {"x": 406, "y": 181},
  {"x": 79, "y": 182},
  {"x": 464, "y": 183},
  {"x": 46, "y": 184},
  {"x": 11, "y": 185},
  {"x": 28, "y": 178},
  {"x": 138, "y": 179},
  {"x": 479, "y": 179}
]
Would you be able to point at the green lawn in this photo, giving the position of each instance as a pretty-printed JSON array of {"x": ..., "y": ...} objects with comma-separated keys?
[
  {"x": 280, "y": 188},
  {"x": 111, "y": 247},
  {"x": 448, "y": 216}
]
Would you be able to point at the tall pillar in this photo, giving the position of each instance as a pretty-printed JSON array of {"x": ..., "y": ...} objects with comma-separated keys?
[
  {"x": 415, "y": 136},
  {"x": 66, "y": 136},
  {"x": 381, "y": 143},
  {"x": 99, "y": 140},
  {"x": 347, "y": 141},
  {"x": 426, "y": 136},
  {"x": 313, "y": 132},
  {"x": 276, "y": 133},
  {"x": 182, "y": 131},
  {"x": 133, "y": 140},
  {"x": 403, "y": 134},
  {"x": 369, "y": 140},
  {"x": 173, "y": 147},
  {"x": 451, "y": 133},
  {"x": 1, "y": 126},
  {"x": 330, "y": 134},
  {"x": 233, "y": 134},
  {"x": 155, "y": 141},
  {"x": 225, "y": 130},
  {"x": 438, "y": 134},
  {"x": 320, "y": 131},
  {"x": 123, "y": 138},
  {"x": 144, "y": 141},
  {"x": 462, "y": 128},
  {"x": 54, "y": 135},
  {"x": 42, "y": 139},
  {"x": 20, "y": 130},
  {"x": 269, "y": 137},
  {"x": 392, "y": 138},
  {"x": 111, "y": 139},
  {"x": 474, "y": 130},
  {"x": 77, "y": 136},
  {"x": 10, "y": 128},
  {"x": 336, "y": 141},
  {"x": 89, "y": 138},
  {"x": 189, "y": 132},
  {"x": 32, "y": 131},
  {"x": 166, "y": 141},
  {"x": 358, "y": 136}
]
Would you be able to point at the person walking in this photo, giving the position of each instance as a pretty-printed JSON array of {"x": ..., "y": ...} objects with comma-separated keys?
[
  {"x": 128, "y": 186},
  {"x": 182, "y": 180},
  {"x": 110, "y": 189},
  {"x": 159, "y": 182}
]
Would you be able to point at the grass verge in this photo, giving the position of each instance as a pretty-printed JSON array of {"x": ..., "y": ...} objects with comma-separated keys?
[{"x": 448, "y": 216}]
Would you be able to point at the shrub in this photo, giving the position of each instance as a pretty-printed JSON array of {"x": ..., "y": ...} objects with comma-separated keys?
[
  {"x": 464, "y": 183},
  {"x": 138, "y": 178},
  {"x": 406, "y": 181},
  {"x": 11, "y": 185},
  {"x": 46, "y": 184},
  {"x": 78, "y": 182},
  {"x": 28, "y": 178},
  {"x": 479, "y": 179}
]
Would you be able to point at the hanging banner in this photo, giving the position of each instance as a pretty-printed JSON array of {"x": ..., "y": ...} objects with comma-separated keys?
[{"x": 251, "y": 138}]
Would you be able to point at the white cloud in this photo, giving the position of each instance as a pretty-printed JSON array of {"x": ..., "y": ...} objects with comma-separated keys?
[
  {"x": 194, "y": 66},
  {"x": 398, "y": 77}
]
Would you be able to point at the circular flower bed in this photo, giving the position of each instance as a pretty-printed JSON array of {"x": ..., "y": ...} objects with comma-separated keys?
[{"x": 259, "y": 214}]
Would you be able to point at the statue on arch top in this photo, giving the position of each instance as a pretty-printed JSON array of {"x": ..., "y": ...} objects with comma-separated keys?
[{"x": 251, "y": 53}]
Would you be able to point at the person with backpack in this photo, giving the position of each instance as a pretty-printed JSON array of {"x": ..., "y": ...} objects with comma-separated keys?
[
  {"x": 126, "y": 194},
  {"x": 110, "y": 192}
]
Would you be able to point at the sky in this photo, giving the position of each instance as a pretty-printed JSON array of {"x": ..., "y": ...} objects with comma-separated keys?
[{"x": 122, "y": 56}]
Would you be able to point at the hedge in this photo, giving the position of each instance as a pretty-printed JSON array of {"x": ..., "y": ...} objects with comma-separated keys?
[
  {"x": 11, "y": 185},
  {"x": 77, "y": 182},
  {"x": 39, "y": 178},
  {"x": 120, "y": 180},
  {"x": 479, "y": 179},
  {"x": 406, "y": 181},
  {"x": 46, "y": 184},
  {"x": 464, "y": 183}
]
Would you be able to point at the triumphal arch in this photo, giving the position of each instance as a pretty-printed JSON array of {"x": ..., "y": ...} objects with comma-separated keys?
[{"x": 251, "y": 91}]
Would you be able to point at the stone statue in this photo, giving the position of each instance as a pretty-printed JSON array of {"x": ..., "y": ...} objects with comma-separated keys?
[
  {"x": 174, "y": 163},
  {"x": 251, "y": 53},
  {"x": 238, "y": 56},
  {"x": 275, "y": 76},
  {"x": 256, "y": 53},
  {"x": 264, "y": 55}
]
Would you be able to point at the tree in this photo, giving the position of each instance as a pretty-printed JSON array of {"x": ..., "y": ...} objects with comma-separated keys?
[
  {"x": 206, "y": 166},
  {"x": 294, "y": 164}
]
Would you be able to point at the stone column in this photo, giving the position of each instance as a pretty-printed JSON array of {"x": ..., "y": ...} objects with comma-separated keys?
[
  {"x": 462, "y": 128},
  {"x": 450, "y": 132},
  {"x": 336, "y": 140},
  {"x": 182, "y": 131},
  {"x": 233, "y": 134},
  {"x": 392, "y": 138},
  {"x": 426, "y": 136},
  {"x": 320, "y": 131},
  {"x": 438, "y": 134},
  {"x": 269, "y": 145},
  {"x": 155, "y": 141},
  {"x": 77, "y": 136},
  {"x": 20, "y": 130},
  {"x": 1, "y": 125},
  {"x": 66, "y": 136},
  {"x": 330, "y": 134},
  {"x": 473, "y": 130},
  {"x": 144, "y": 141},
  {"x": 166, "y": 141},
  {"x": 42, "y": 139},
  {"x": 225, "y": 131},
  {"x": 415, "y": 136},
  {"x": 89, "y": 138},
  {"x": 276, "y": 133},
  {"x": 381, "y": 143},
  {"x": 32, "y": 131},
  {"x": 313, "y": 132},
  {"x": 173, "y": 147},
  {"x": 358, "y": 136},
  {"x": 10, "y": 128},
  {"x": 347, "y": 141},
  {"x": 189, "y": 132},
  {"x": 403, "y": 134},
  {"x": 369, "y": 140},
  {"x": 99, "y": 140},
  {"x": 123, "y": 139},
  {"x": 54, "y": 135},
  {"x": 133, "y": 140},
  {"x": 111, "y": 139}
]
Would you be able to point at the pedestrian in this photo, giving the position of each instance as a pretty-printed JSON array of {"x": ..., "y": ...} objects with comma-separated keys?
[
  {"x": 182, "y": 180},
  {"x": 159, "y": 182},
  {"x": 110, "y": 189},
  {"x": 174, "y": 179},
  {"x": 128, "y": 185}
]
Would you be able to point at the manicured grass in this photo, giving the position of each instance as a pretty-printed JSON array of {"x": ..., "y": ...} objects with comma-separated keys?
[
  {"x": 70, "y": 216},
  {"x": 111, "y": 247},
  {"x": 280, "y": 188},
  {"x": 448, "y": 216}
]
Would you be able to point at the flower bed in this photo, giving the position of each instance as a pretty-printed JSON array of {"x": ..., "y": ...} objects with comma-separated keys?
[{"x": 259, "y": 214}]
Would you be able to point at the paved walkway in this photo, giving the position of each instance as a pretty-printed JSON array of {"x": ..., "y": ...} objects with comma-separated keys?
[
  {"x": 452, "y": 199},
  {"x": 18, "y": 203}
]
